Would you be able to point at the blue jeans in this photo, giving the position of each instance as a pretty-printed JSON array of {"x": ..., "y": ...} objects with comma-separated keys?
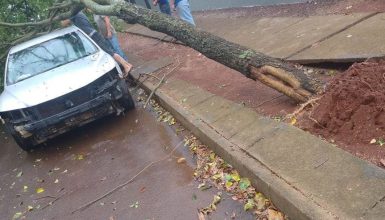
[
  {"x": 165, "y": 8},
  {"x": 184, "y": 12},
  {"x": 115, "y": 45}
]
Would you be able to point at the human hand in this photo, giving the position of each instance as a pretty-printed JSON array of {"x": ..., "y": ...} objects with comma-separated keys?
[
  {"x": 154, "y": 2},
  {"x": 109, "y": 35},
  {"x": 65, "y": 23}
]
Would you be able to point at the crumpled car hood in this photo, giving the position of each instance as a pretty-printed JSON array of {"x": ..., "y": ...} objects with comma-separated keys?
[{"x": 56, "y": 82}]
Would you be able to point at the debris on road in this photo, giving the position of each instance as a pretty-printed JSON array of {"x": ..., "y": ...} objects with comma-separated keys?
[{"x": 213, "y": 170}]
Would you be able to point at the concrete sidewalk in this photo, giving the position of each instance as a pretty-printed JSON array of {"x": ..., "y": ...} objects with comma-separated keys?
[
  {"x": 305, "y": 177},
  {"x": 332, "y": 38}
]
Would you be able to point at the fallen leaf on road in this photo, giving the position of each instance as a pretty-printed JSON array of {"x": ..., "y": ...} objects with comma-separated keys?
[
  {"x": 181, "y": 160},
  {"x": 382, "y": 161},
  {"x": 235, "y": 176},
  {"x": 56, "y": 168},
  {"x": 274, "y": 215},
  {"x": 25, "y": 188},
  {"x": 249, "y": 205},
  {"x": 38, "y": 160},
  {"x": 56, "y": 181},
  {"x": 201, "y": 216},
  {"x": 380, "y": 142},
  {"x": 19, "y": 174},
  {"x": 79, "y": 157},
  {"x": 135, "y": 205},
  {"x": 29, "y": 208},
  {"x": 261, "y": 201},
  {"x": 39, "y": 180},
  {"x": 373, "y": 141},
  {"x": 17, "y": 215},
  {"x": 244, "y": 183},
  {"x": 293, "y": 121},
  {"x": 39, "y": 190}
]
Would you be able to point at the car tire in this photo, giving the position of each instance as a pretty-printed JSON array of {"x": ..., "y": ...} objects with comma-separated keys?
[
  {"x": 127, "y": 102},
  {"x": 26, "y": 144}
]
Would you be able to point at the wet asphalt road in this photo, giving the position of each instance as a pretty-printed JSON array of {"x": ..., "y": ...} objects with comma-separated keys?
[{"x": 84, "y": 164}]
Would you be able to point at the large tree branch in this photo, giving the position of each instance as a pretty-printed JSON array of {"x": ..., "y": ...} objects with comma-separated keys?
[{"x": 275, "y": 73}]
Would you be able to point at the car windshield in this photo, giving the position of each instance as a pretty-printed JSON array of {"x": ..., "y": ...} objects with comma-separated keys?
[{"x": 48, "y": 55}]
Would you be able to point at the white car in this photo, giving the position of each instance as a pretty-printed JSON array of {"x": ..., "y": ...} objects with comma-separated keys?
[{"x": 57, "y": 82}]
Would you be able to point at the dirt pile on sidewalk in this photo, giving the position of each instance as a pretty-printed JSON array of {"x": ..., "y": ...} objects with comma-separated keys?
[{"x": 352, "y": 110}]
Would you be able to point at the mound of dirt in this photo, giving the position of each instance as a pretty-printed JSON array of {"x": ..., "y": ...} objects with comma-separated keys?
[{"x": 352, "y": 111}]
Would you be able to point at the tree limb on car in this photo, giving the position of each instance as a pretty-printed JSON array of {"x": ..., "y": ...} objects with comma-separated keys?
[{"x": 277, "y": 74}]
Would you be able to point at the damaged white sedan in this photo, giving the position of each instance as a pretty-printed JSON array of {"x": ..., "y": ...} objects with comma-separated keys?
[{"x": 56, "y": 82}]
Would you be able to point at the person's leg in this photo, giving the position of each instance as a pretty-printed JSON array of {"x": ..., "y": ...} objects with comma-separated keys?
[
  {"x": 115, "y": 45},
  {"x": 165, "y": 8},
  {"x": 106, "y": 46},
  {"x": 184, "y": 12},
  {"x": 148, "y": 5},
  {"x": 126, "y": 66}
]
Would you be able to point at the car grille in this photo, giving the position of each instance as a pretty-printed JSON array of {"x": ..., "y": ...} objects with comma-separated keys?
[{"x": 72, "y": 99}]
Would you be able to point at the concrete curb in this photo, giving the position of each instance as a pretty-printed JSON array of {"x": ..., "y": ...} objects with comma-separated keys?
[{"x": 288, "y": 199}]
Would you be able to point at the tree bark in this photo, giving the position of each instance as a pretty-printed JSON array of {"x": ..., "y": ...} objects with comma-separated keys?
[{"x": 275, "y": 73}]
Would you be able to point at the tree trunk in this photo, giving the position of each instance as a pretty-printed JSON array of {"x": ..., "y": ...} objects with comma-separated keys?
[{"x": 275, "y": 73}]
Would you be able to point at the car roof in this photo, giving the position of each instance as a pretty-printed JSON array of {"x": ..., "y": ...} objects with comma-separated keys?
[{"x": 43, "y": 38}]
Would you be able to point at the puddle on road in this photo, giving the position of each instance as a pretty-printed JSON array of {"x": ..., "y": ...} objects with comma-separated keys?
[{"x": 84, "y": 164}]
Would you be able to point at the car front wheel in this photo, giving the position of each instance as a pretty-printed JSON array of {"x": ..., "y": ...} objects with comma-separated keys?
[{"x": 127, "y": 102}]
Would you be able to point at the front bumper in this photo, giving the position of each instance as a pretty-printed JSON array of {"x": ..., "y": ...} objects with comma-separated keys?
[{"x": 49, "y": 127}]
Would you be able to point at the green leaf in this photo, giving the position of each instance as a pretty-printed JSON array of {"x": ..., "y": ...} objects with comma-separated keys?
[
  {"x": 19, "y": 174},
  {"x": 235, "y": 177},
  {"x": 17, "y": 215},
  {"x": 260, "y": 200},
  {"x": 244, "y": 183},
  {"x": 249, "y": 205},
  {"x": 228, "y": 184},
  {"x": 216, "y": 176}
]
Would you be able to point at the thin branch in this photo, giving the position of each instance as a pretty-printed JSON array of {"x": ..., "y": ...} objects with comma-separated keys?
[
  {"x": 60, "y": 17},
  {"x": 127, "y": 182},
  {"x": 154, "y": 90},
  {"x": 60, "y": 6},
  {"x": 159, "y": 84},
  {"x": 149, "y": 75}
]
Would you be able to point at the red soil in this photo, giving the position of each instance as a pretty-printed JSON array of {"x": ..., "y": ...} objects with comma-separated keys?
[{"x": 352, "y": 111}]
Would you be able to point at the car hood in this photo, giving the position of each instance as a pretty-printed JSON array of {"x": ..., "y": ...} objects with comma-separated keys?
[{"x": 56, "y": 82}]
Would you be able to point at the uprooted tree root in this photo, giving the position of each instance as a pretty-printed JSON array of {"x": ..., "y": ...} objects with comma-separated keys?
[{"x": 280, "y": 80}]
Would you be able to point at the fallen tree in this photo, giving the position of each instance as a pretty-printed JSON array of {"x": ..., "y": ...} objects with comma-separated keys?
[{"x": 275, "y": 73}]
